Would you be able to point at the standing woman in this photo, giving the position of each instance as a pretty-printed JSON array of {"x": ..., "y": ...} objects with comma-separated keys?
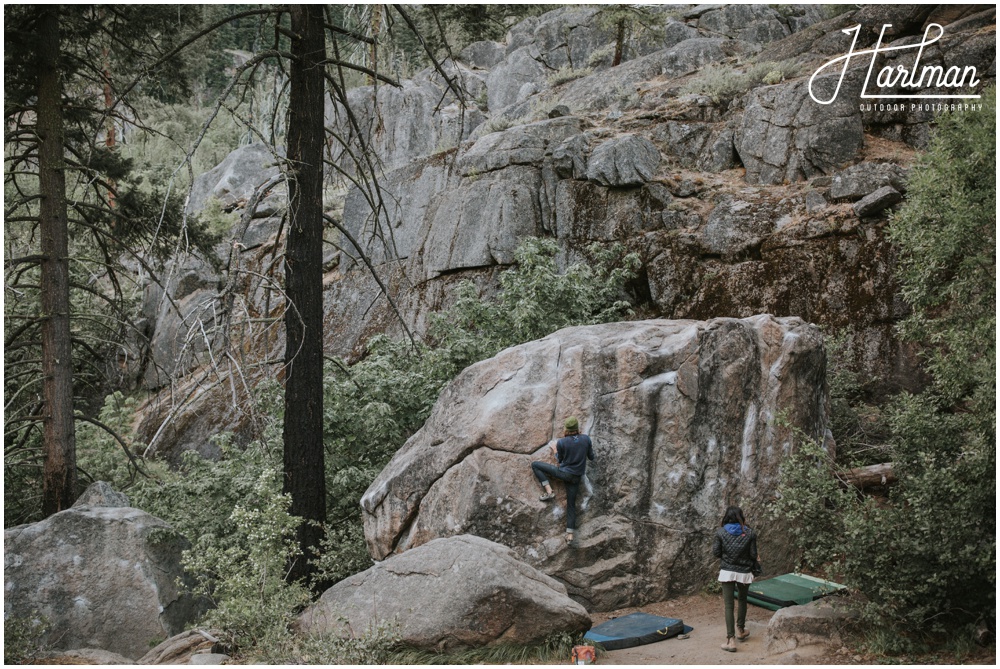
[{"x": 736, "y": 545}]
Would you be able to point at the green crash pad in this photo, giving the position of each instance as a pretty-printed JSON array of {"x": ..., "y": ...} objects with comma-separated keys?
[{"x": 789, "y": 590}]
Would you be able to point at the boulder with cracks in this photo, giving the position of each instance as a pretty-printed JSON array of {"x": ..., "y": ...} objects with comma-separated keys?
[{"x": 687, "y": 417}]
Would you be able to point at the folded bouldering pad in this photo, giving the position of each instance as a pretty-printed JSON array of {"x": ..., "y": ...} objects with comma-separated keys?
[
  {"x": 789, "y": 590},
  {"x": 635, "y": 629}
]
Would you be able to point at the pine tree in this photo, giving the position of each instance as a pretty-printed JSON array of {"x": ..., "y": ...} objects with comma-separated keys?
[
  {"x": 305, "y": 477},
  {"x": 72, "y": 212}
]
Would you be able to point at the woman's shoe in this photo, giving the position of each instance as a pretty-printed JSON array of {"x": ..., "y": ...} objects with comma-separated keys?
[
  {"x": 547, "y": 496},
  {"x": 569, "y": 537},
  {"x": 742, "y": 634},
  {"x": 730, "y": 645}
]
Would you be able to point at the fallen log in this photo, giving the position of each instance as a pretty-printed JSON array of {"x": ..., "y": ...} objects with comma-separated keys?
[{"x": 870, "y": 476}]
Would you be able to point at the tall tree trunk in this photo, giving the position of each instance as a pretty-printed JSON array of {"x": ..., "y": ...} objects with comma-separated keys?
[
  {"x": 619, "y": 43},
  {"x": 303, "y": 431},
  {"x": 59, "y": 473}
]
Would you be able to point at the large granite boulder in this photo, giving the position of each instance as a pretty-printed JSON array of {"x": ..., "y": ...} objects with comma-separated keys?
[
  {"x": 786, "y": 136},
  {"x": 564, "y": 37},
  {"x": 685, "y": 420},
  {"x": 104, "y": 577},
  {"x": 629, "y": 160},
  {"x": 753, "y": 24},
  {"x": 504, "y": 82},
  {"x": 419, "y": 118},
  {"x": 520, "y": 145},
  {"x": 234, "y": 179},
  {"x": 483, "y": 55},
  {"x": 605, "y": 89},
  {"x": 455, "y": 592}
]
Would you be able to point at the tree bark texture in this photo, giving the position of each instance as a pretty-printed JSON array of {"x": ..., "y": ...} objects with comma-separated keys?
[
  {"x": 59, "y": 473},
  {"x": 619, "y": 43},
  {"x": 304, "y": 473}
]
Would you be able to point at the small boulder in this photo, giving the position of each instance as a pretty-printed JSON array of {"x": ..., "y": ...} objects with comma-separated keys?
[
  {"x": 629, "y": 160},
  {"x": 815, "y": 201},
  {"x": 461, "y": 591},
  {"x": 559, "y": 110},
  {"x": 876, "y": 202},
  {"x": 859, "y": 180},
  {"x": 818, "y": 622}
]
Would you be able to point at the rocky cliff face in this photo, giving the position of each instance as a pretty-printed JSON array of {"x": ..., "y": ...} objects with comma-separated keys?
[
  {"x": 739, "y": 203},
  {"x": 685, "y": 419}
]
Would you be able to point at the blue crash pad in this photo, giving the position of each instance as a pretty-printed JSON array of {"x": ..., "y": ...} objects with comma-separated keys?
[{"x": 635, "y": 629}]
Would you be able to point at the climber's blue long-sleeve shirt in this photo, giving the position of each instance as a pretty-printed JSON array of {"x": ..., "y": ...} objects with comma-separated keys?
[{"x": 572, "y": 453}]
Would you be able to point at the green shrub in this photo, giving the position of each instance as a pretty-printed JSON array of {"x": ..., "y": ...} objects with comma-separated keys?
[
  {"x": 377, "y": 645},
  {"x": 501, "y": 123},
  {"x": 22, "y": 639},
  {"x": 242, "y": 535},
  {"x": 601, "y": 56},
  {"x": 243, "y": 574},
  {"x": 860, "y": 424},
  {"x": 567, "y": 74},
  {"x": 926, "y": 558},
  {"x": 101, "y": 457},
  {"x": 724, "y": 82}
]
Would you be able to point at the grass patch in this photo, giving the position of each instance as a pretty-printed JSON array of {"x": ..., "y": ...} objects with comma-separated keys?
[
  {"x": 554, "y": 649},
  {"x": 724, "y": 82},
  {"x": 502, "y": 123},
  {"x": 567, "y": 74}
]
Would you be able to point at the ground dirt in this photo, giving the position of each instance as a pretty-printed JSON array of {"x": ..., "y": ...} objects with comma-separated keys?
[{"x": 704, "y": 613}]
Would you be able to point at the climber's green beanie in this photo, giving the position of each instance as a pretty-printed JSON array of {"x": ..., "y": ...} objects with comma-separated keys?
[{"x": 572, "y": 424}]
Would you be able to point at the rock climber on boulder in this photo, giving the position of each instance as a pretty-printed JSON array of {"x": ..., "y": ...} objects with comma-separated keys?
[{"x": 572, "y": 453}]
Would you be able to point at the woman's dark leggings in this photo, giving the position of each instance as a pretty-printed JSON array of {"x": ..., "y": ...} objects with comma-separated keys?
[
  {"x": 727, "y": 601},
  {"x": 543, "y": 470}
]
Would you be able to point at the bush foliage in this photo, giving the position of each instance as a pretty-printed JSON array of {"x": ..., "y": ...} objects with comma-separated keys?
[{"x": 926, "y": 559}]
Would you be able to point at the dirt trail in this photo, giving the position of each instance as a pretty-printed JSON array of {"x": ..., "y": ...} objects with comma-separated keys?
[{"x": 704, "y": 613}]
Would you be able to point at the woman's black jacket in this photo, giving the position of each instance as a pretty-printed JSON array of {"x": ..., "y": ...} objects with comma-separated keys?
[{"x": 737, "y": 552}]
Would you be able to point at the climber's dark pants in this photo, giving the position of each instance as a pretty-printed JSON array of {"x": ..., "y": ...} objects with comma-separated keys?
[
  {"x": 543, "y": 470},
  {"x": 732, "y": 590}
]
